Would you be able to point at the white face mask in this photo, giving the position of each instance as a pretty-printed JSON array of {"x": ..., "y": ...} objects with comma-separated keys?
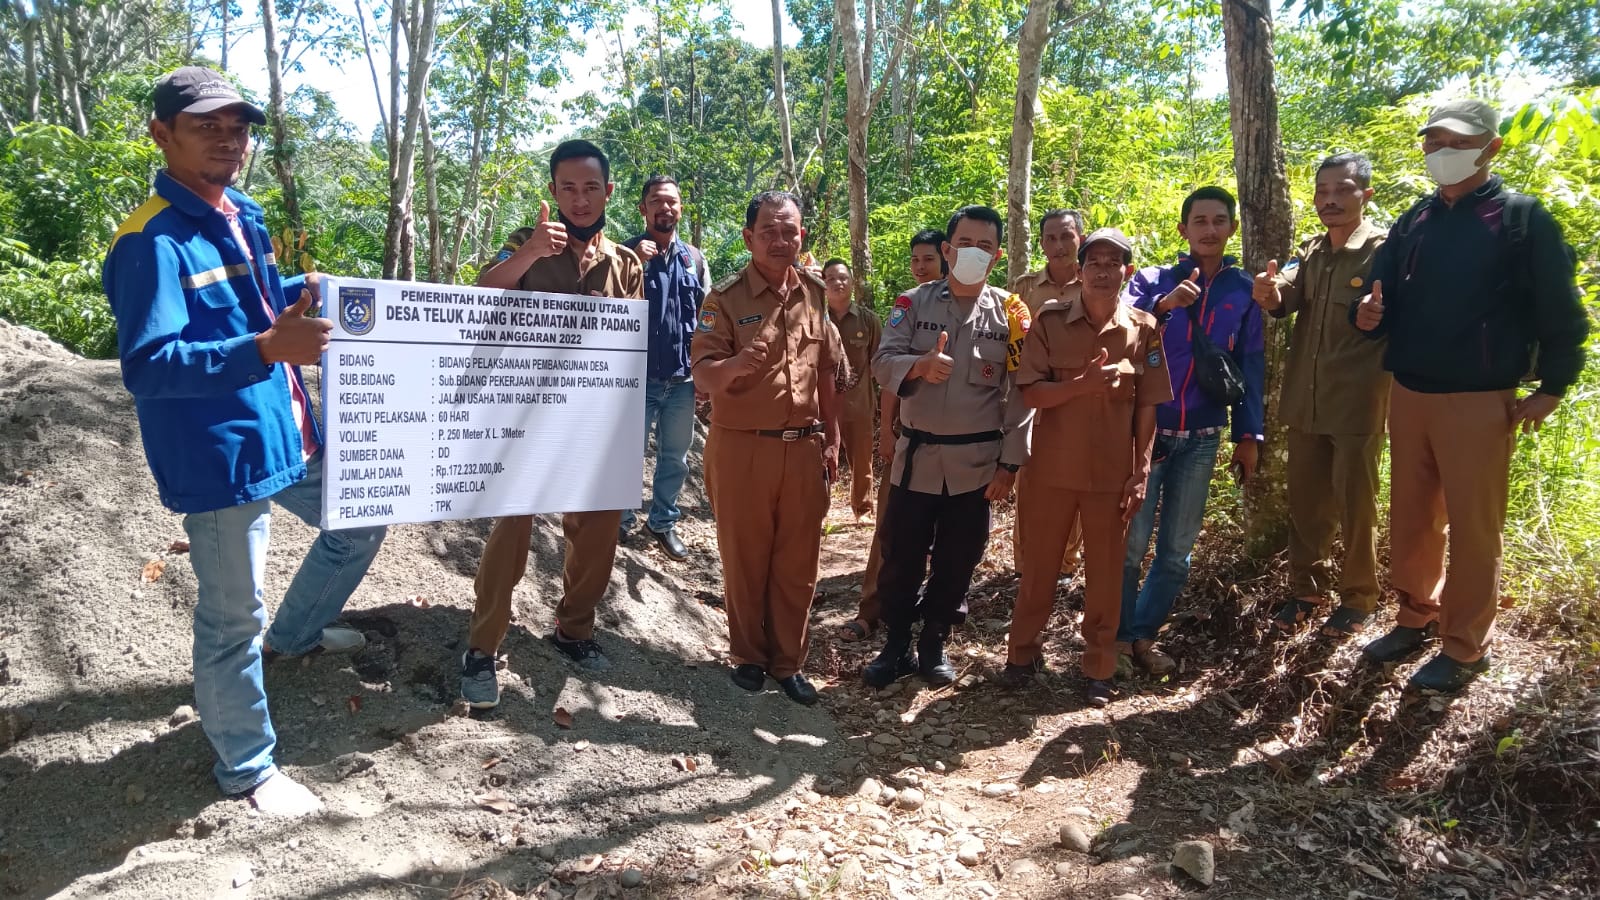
[
  {"x": 1450, "y": 166},
  {"x": 972, "y": 265}
]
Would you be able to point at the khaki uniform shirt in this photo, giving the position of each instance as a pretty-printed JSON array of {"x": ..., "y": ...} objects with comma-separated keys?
[
  {"x": 860, "y": 330},
  {"x": 1036, "y": 288},
  {"x": 614, "y": 270},
  {"x": 1333, "y": 382},
  {"x": 980, "y": 395},
  {"x": 802, "y": 348},
  {"x": 1087, "y": 443}
]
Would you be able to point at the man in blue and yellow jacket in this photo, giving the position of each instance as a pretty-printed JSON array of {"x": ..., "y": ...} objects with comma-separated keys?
[{"x": 210, "y": 349}]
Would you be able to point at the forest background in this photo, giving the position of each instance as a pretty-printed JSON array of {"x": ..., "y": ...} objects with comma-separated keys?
[{"x": 884, "y": 116}]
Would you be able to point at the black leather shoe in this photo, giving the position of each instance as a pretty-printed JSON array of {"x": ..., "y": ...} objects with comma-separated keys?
[
  {"x": 750, "y": 676},
  {"x": 895, "y": 661},
  {"x": 932, "y": 664},
  {"x": 670, "y": 543},
  {"x": 1446, "y": 675},
  {"x": 799, "y": 689},
  {"x": 1099, "y": 692},
  {"x": 1398, "y": 644}
]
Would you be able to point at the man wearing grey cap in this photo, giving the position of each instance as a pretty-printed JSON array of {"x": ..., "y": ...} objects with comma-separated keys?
[
  {"x": 1473, "y": 279},
  {"x": 210, "y": 350},
  {"x": 1094, "y": 369}
]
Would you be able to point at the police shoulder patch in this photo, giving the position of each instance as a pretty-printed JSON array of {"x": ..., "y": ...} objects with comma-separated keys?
[
  {"x": 708, "y": 318},
  {"x": 902, "y": 302},
  {"x": 896, "y": 316}
]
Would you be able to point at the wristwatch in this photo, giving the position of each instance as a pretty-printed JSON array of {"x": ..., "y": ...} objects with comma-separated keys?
[{"x": 1010, "y": 467}]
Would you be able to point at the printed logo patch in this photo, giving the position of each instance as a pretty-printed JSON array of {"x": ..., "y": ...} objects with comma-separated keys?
[
  {"x": 750, "y": 320},
  {"x": 903, "y": 301},
  {"x": 357, "y": 309},
  {"x": 1154, "y": 359},
  {"x": 988, "y": 371},
  {"x": 897, "y": 316},
  {"x": 708, "y": 319}
]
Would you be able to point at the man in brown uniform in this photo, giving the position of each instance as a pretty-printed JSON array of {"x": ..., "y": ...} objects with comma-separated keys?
[
  {"x": 767, "y": 354},
  {"x": 1095, "y": 371},
  {"x": 1060, "y": 235},
  {"x": 859, "y": 329},
  {"x": 569, "y": 256},
  {"x": 927, "y": 264},
  {"x": 1335, "y": 401}
]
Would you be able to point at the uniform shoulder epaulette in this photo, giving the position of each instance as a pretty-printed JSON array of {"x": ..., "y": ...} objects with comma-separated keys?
[
  {"x": 1140, "y": 316},
  {"x": 727, "y": 282},
  {"x": 1054, "y": 304}
]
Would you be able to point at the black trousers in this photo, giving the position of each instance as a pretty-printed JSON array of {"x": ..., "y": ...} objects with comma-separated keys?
[{"x": 955, "y": 529}]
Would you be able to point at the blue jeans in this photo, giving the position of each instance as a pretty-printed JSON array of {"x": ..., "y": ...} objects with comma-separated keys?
[
  {"x": 1180, "y": 479},
  {"x": 228, "y": 549},
  {"x": 669, "y": 409}
]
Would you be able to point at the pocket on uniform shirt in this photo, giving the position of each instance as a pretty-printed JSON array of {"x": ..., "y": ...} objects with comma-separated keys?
[
  {"x": 988, "y": 363},
  {"x": 216, "y": 296}
]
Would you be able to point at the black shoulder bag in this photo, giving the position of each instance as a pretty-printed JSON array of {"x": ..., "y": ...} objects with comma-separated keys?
[{"x": 1215, "y": 370}]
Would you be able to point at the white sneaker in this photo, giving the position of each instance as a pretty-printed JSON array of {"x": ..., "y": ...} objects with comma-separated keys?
[
  {"x": 340, "y": 639},
  {"x": 283, "y": 797}
]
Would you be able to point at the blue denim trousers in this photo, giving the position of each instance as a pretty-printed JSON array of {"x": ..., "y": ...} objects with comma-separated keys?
[
  {"x": 1180, "y": 478},
  {"x": 228, "y": 549},
  {"x": 669, "y": 411}
]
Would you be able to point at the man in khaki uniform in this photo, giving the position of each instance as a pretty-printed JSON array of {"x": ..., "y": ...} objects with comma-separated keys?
[
  {"x": 860, "y": 331},
  {"x": 1335, "y": 401},
  {"x": 569, "y": 256},
  {"x": 1094, "y": 369},
  {"x": 946, "y": 353},
  {"x": 767, "y": 354},
  {"x": 1060, "y": 235},
  {"x": 927, "y": 264}
]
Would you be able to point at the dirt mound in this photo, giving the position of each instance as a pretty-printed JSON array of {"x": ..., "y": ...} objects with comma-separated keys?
[{"x": 105, "y": 784}]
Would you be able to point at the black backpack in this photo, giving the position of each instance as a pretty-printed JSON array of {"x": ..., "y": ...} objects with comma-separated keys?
[{"x": 1215, "y": 369}]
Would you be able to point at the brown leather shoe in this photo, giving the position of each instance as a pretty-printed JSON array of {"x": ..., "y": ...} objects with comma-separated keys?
[{"x": 1151, "y": 659}]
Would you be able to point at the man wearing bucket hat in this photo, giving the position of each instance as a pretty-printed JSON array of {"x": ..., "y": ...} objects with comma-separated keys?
[
  {"x": 1094, "y": 369},
  {"x": 1474, "y": 289},
  {"x": 210, "y": 346}
]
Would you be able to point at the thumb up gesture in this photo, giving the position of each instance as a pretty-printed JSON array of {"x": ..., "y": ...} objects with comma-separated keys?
[
  {"x": 1265, "y": 289},
  {"x": 1369, "y": 312},
  {"x": 549, "y": 238},
  {"x": 295, "y": 338},
  {"x": 935, "y": 364},
  {"x": 1185, "y": 294}
]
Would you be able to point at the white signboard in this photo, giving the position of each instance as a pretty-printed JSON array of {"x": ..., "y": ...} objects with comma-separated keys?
[{"x": 446, "y": 402}]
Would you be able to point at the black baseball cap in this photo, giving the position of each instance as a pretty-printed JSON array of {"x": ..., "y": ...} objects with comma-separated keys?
[
  {"x": 1111, "y": 236},
  {"x": 197, "y": 90}
]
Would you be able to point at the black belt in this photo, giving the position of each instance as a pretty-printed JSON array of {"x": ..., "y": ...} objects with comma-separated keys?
[
  {"x": 792, "y": 434},
  {"x": 915, "y": 439}
]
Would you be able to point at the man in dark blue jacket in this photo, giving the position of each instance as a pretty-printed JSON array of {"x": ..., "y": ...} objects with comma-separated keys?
[
  {"x": 1204, "y": 294},
  {"x": 675, "y": 284},
  {"x": 1472, "y": 280},
  {"x": 209, "y": 347}
]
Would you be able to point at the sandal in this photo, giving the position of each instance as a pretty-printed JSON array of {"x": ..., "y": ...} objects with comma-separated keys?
[
  {"x": 854, "y": 630},
  {"x": 1346, "y": 621},
  {"x": 1292, "y": 614}
]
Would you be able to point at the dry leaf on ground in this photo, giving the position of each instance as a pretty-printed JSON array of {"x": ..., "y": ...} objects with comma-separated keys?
[
  {"x": 495, "y": 801},
  {"x": 419, "y": 601},
  {"x": 353, "y": 702},
  {"x": 153, "y": 570},
  {"x": 563, "y": 718},
  {"x": 178, "y": 547}
]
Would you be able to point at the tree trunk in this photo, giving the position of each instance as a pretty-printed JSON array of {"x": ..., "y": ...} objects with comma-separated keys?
[
  {"x": 1031, "y": 42},
  {"x": 856, "y": 117},
  {"x": 666, "y": 86},
  {"x": 227, "y": 20},
  {"x": 399, "y": 256},
  {"x": 430, "y": 181},
  {"x": 282, "y": 161},
  {"x": 1267, "y": 234},
  {"x": 791, "y": 180}
]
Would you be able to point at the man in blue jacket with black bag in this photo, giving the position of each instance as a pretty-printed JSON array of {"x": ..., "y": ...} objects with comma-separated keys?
[
  {"x": 210, "y": 348},
  {"x": 1217, "y": 362}
]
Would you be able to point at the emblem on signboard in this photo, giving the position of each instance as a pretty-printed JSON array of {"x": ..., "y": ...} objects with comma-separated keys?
[{"x": 358, "y": 309}]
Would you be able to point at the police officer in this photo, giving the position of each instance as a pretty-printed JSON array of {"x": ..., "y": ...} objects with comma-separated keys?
[
  {"x": 1060, "y": 236},
  {"x": 860, "y": 330},
  {"x": 569, "y": 256},
  {"x": 767, "y": 354},
  {"x": 946, "y": 352},
  {"x": 1095, "y": 371}
]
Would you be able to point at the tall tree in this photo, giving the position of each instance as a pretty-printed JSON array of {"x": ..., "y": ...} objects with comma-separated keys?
[
  {"x": 791, "y": 180},
  {"x": 1031, "y": 41},
  {"x": 1267, "y": 234},
  {"x": 415, "y": 21},
  {"x": 278, "y": 149}
]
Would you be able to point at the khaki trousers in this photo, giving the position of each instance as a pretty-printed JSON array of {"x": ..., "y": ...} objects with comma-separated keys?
[
  {"x": 591, "y": 539},
  {"x": 1069, "y": 558},
  {"x": 1333, "y": 486},
  {"x": 857, "y": 437},
  {"x": 769, "y": 498},
  {"x": 871, "y": 610},
  {"x": 1450, "y": 461},
  {"x": 1050, "y": 518}
]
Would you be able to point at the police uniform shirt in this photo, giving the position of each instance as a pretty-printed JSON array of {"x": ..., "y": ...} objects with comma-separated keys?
[
  {"x": 802, "y": 347},
  {"x": 980, "y": 395},
  {"x": 1036, "y": 289},
  {"x": 1086, "y": 444},
  {"x": 860, "y": 331},
  {"x": 614, "y": 270}
]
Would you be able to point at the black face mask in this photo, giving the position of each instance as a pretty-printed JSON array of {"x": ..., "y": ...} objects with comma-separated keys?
[{"x": 581, "y": 233}]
